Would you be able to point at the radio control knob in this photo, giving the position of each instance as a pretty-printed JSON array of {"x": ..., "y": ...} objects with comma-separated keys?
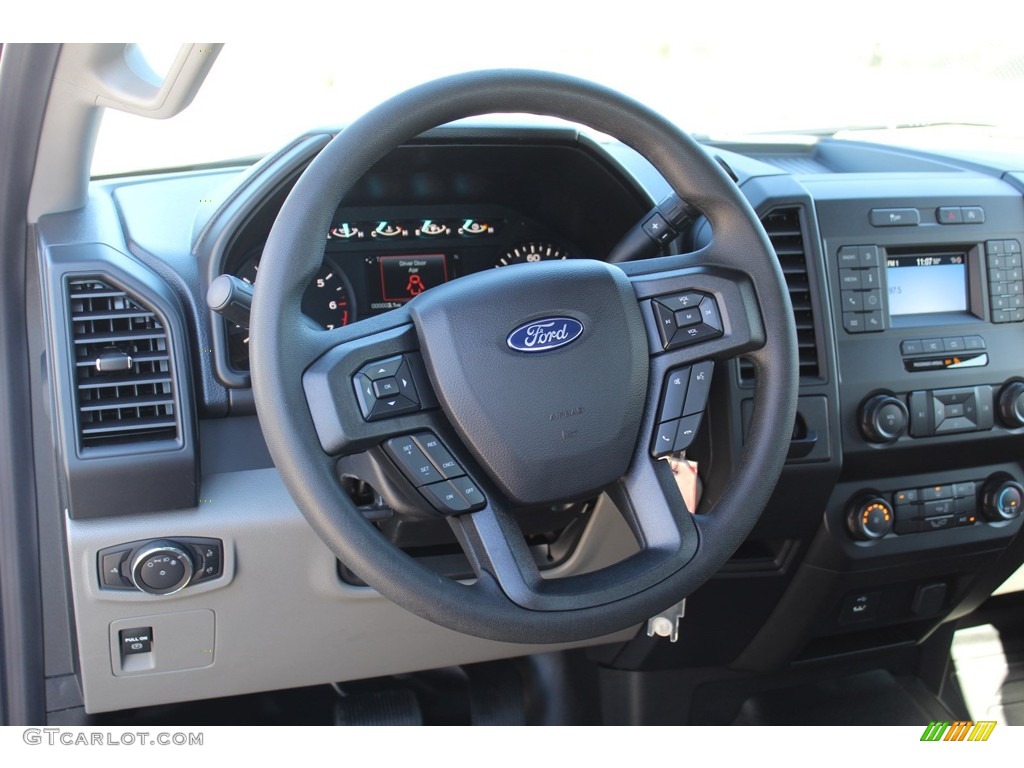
[
  {"x": 1002, "y": 498},
  {"x": 869, "y": 518},
  {"x": 883, "y": 418},
  {"x": 1011, "y": 404}
]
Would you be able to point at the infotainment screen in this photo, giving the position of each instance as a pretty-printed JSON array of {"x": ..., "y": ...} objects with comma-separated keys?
[{"x": 927, "y": 283}]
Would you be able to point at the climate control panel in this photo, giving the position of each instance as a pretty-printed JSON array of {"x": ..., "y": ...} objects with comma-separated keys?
[{"x": 872, "y": 515}]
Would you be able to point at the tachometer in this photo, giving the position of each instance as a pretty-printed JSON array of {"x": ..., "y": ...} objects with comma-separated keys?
[
  {"x": 528, "y": 252},
  {"x": 326, "y": 301}
]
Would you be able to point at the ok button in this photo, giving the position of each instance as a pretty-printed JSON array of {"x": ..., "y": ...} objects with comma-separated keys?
[{"x": 385, "y": 387}]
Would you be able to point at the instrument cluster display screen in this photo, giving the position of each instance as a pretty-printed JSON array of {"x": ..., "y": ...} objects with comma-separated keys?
[{"x": 925, "y": 284}]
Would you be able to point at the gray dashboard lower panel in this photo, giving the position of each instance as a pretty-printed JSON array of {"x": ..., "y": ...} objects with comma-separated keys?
[{"x": 279, "y": 617}]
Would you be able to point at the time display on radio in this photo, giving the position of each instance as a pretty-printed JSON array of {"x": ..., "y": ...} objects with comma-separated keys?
[{"x": 922, "y": 284}]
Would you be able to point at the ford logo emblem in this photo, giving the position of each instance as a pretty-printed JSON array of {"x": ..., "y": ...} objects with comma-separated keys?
[{"x": 545, "y": 334}]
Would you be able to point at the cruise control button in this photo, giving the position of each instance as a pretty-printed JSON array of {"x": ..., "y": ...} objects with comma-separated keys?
[
  {"x": 412, "y": 461},
  {"x": 469, "y": 492},
  {"x": 700, "y": 383},
  {"x": 674, "y": 395},
  {"x": 686, "y": 432},
  {"x": 445, "y": 498},
  {"x": 438, "y": 455}
]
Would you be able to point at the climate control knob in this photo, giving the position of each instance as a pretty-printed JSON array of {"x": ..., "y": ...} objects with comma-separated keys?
[
  {"x": 1002, "y": 498},
  {"x": 869, "y": 518},
  {"x": 162, "y": 568},
  {"x": 883, "y": 418},
  {"x": 1011, "y": 404}
]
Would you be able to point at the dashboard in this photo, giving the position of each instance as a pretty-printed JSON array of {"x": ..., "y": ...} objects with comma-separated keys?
[{"x": 898, "y": 509}]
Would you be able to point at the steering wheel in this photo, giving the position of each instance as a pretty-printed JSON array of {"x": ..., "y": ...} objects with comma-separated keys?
[{"x": 543, "y": 383}]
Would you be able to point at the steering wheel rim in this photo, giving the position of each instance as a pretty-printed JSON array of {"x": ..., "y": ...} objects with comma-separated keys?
[{"x": 503, "y": 604}]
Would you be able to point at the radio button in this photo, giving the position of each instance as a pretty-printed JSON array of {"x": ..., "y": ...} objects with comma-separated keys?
[
  {"x": 853, "y": 301},
  {"x": 850, "y": 278},
  {"x": 849, "y": 256},
  {"x": 868, "y": 256},
  {"x": 873, "y": 320},
  {"x": 1011, "y": 246},
  {"x": 920, "y": 415},
  {"x": 960, "y": 424},
  {"x": 994, "y": 247},
  {"x": 954, "y": 344},
  {"x": 870, "y": 278}
]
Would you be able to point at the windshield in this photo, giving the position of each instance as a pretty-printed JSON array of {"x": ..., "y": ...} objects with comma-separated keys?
[{"x": 720, "y": 73}]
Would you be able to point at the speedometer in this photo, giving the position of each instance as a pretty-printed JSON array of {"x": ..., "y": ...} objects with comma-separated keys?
[{"x": 531, "y": 252}]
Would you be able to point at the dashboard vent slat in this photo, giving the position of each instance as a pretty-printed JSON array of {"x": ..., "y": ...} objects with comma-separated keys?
[
  {"x": 121, "y": 406},
  {"x": 785, "y": 230}
]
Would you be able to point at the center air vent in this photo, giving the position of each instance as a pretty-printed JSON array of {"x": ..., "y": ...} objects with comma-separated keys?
[
  {"x": 123, "y": 376},
  {"x": 786, "y": 234}
]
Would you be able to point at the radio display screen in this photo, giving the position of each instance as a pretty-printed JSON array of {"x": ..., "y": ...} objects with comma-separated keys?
[{"x": 927, "y": 283}]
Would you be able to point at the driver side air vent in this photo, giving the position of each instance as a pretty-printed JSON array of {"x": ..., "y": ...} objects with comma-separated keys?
[
  {"x": 124, "y": 383},
  {"x": 785, "y": 231}
]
